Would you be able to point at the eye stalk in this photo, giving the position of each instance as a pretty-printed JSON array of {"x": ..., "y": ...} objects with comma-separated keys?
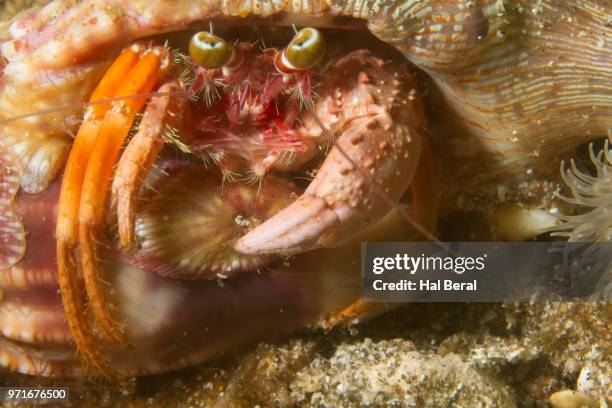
[
  {"x": 306, "y": 49},
  {"x": 210, "y": 51}
]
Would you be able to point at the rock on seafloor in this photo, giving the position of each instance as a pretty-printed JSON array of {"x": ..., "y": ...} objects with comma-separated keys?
[
  {"x": 572, "y": 399},
  {"x": 393, "y": 373}
]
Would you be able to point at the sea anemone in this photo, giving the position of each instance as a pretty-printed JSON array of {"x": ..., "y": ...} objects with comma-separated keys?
[
  {"x": 592, "y": 196},
  {"x": 189, "y": 222}
]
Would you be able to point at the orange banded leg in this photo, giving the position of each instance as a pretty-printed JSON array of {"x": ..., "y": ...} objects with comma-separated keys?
[
  {"x": 70, "y": 195},
  {"x": 114, "y": 129},
  {"x": 67, "y": 220},
  {"x": 424, "y": 189},
  {"x": 163, "y": 114},
  {"x": 71, "y": 289}
]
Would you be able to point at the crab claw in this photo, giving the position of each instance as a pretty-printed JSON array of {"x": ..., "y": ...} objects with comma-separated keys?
[{"x": 380, "y": 118}]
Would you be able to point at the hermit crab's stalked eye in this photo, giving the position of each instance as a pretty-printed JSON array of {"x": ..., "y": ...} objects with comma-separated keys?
[
  {"x": 305, "y": 50},
  {"x": 209, "y": 51}
]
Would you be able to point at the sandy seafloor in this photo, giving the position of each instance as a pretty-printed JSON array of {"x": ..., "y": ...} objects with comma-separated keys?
[{"x": 421, "y": 355}]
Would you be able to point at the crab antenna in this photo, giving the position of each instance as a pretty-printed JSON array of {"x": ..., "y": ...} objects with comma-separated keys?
[{"x": 103, "y": 101}]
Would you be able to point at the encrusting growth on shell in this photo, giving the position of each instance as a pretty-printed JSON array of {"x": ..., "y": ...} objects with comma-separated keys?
[{"x": 12, "y": 233}]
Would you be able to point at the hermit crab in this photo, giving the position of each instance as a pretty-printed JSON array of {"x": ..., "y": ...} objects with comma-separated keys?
[{"x": 188, "y": 188}]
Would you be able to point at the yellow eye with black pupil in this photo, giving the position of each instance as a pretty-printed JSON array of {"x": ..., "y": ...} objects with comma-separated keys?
[
  {"x": 306, "y": 49},
  {"x": 209, "y": 51}
]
